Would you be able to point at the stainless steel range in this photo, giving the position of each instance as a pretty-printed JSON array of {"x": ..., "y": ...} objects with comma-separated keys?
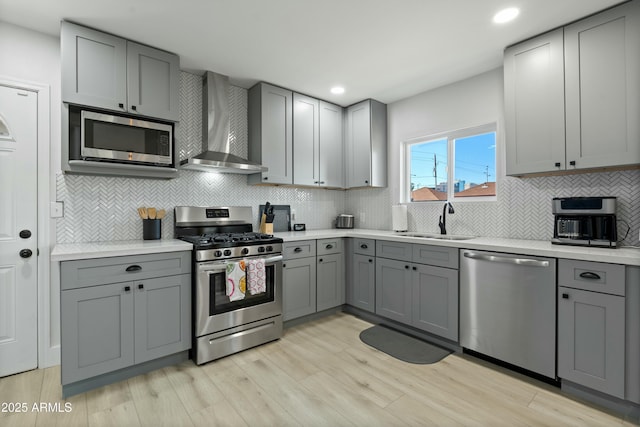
[{"x": 237, "y": 280}]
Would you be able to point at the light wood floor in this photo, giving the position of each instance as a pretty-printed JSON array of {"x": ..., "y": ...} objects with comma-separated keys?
[{"x": 318, "y": 374}]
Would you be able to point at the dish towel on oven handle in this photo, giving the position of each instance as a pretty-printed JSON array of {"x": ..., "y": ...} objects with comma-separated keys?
[
  {"x": 236, "y": 280},
  {"x": 256, "y": 276}
]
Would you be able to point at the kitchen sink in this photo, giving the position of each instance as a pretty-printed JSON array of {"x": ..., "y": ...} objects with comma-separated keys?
[{"x": 439, "y": 236}]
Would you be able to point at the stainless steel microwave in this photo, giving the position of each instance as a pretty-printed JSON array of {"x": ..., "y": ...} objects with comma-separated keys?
[{"x": 109, "y": 137}]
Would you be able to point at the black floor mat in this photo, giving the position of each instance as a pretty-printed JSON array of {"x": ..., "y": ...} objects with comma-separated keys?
[{"x": 401, "y": 346}]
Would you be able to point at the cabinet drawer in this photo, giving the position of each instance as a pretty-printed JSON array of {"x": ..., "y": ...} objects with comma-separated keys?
[
  {"x": 302, "y": 249},
  {"x": 393, "y": 250},
  {"x": 364, "y": 247},
  {"x": 329, "y": 246},
  {"x": 592, "y": 276},
  {"x": 435, "y": 255},
  {"x": 99, "y": 271}
]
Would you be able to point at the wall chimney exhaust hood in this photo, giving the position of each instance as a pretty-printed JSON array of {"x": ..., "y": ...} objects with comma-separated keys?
[{"x": 216, "y": 156}]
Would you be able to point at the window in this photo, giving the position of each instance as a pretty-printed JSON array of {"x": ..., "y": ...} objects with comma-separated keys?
[{"x": 454, "y": 165}]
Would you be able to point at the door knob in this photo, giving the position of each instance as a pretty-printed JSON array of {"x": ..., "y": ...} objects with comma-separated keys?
[
  {"x": 26, "y": 253},
  {"x": 25, "y": 234}
]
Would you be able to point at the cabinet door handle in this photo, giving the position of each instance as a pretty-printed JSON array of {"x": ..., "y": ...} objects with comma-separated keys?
[
  {"x": 329, "y": 247},
  {"x": 140, "y": 286},
  {"x": 557, "y": 164},
  {"x": 415, "y": 268},
  {"x": 590, "y": 275},
  {"x": 366, "y": 181},
  {"x": 133, "y": 268},
  {"x": 370, "y": 260},
  {"x": 406, "y": 267},
  {"x": 265, "y": 178},
  {"x": 284, "y": 265},
  {"x": 121, "y": 105},
  {"x": 134, "y": 108},
  {"x": 296, "y": 250},
  {"x": 320, "y": 260},
  {"x": 363, "y": 246},
  {"x": 572, "y": 162},
  {"x": 127, "y": 288},
  {"x": 565, "y": 296}
]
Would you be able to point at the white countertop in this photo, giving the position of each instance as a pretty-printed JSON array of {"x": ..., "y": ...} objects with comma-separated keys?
[
  {"x": 627, "y": 256},
  {"x": 74, "y": 251}
]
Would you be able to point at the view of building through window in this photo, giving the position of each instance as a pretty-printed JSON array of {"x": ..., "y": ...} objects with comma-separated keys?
[{"x": 462, "y": 164}]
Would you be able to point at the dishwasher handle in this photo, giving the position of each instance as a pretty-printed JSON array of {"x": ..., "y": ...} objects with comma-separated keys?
[{"x": 507, "y": 260}]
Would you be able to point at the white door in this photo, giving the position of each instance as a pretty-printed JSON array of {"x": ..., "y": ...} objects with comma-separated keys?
[{"x": 18, "y": 233}]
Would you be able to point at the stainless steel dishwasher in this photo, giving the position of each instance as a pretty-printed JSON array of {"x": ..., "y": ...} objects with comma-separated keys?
[{"x": 508, "y": 308}]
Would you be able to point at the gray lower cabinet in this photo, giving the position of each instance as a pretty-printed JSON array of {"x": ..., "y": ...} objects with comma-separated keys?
[
  {"x": 435, "y": 300},
  {"x": 591, "y": 325},
  {"x": 591, "y": 340},
  {"x": 330, "y": 273},
  {"x": 160, "y": 305},
  {"x": 299, "y": 287},
  {"x": 418, "y": 286},
  {"x": 144, "y": 315},
  {"x": 361, "y": 291},
  {"x": 97, "y": 333},
  {"x": 394, "y": 289}
]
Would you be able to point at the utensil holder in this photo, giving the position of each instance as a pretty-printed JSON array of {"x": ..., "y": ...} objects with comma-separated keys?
[{"x": 151, "y": 229}]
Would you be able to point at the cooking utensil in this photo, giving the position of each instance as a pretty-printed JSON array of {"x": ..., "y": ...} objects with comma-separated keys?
[
  {"x": 152, "y": 213},
  {"x": 160, "y": 214},
  {"x": 143, "y": 213}
]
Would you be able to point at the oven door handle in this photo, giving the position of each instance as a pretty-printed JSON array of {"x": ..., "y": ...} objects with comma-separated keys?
[{"x": 220, "y": 266}]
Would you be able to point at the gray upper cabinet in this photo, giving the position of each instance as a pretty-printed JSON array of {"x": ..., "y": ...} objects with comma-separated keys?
[
  {"x": 580, "y": 81},
  {"x": 94, "y": 68},
  {"x": 104, "y": 71},
  {"x": 271, "y": 133},
  {"x": 317, "y": 143},
  {"x": 306, "y": 140},
  {"x": 534, "y": 105},
  {"x": 153, "y": 81},
  {"x": 366, "y": 144},
  {"x": 602, "y": 60},
  {"x": 331, "y": 164}
]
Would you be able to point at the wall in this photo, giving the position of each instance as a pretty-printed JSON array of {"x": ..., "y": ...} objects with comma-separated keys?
[
  {"x": 523, "y": 206},
  {"x": 104, "y": 208}
]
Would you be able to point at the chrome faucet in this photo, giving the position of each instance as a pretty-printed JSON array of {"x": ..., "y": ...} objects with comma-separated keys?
[{"x": 443, "y": 218}]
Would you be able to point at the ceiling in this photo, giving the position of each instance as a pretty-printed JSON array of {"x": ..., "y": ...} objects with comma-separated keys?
[{"x": 382, "y": 49}]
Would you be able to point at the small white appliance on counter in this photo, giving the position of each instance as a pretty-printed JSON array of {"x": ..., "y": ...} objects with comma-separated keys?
[{"x": 399, "y": 218}]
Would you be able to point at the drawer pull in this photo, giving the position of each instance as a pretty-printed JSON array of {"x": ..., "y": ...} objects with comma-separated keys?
[
  {"x": 590, "y": 275},
  {"x": 127, "y": 288},
  {"x": 296, "y": 250},
  {"x": 415, "y": 268},
  {"x": 565, "y": 296},
  {"x": 406, "y": 267},
  {"x": 370, "y": 260},
  {"x": 140, "y": 286},
  {"x": 364, "y": 246},
  {"x": 320, "y": 260},
  {"x": 329, "y": 247},
  {"x": 133, "y": 268}
]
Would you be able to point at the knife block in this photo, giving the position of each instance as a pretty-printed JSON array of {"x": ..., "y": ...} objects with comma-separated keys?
[{"x": 266, "y": 228}]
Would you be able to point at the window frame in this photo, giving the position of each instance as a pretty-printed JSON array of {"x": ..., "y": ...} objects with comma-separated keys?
[{"x": 450, "y": 136}]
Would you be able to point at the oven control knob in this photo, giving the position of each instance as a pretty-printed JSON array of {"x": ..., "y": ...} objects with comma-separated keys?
[
  {"x": 261, "y": 249},
  {"x": 217, "y": 253},
  {"x": 227, "y": 252},
  {"x": 269, "y": 248},
  {"x": 244, "y": 251}
]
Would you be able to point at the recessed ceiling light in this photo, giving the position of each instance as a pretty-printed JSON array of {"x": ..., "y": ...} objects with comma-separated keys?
[
  {"x": 506, "y": 15},
  {"x": 337, "y": 90}
]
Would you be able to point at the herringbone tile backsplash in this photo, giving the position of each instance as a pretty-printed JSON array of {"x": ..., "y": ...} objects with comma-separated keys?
[{"x": 104, "y": 208}]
